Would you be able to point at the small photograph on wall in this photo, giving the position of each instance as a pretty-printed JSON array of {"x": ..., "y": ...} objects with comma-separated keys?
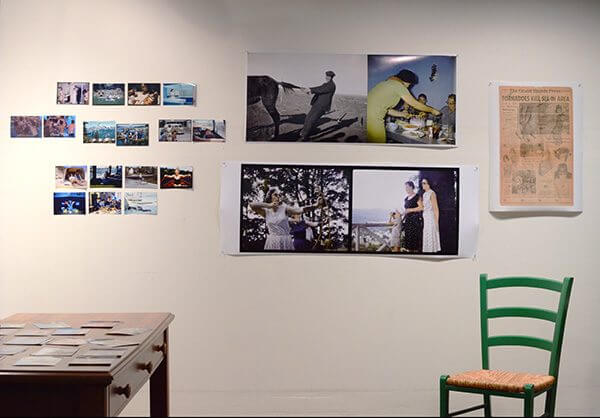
[
  {"x": 411, "y": 99},
  {"x": 75, "y": 93},
  {"x": 104, "y": 203},
  {"x": 141, "y": 177},
  {"x": 175, "y": 130},
  {"x": 306, "y": 97},
  {"x": 176, "y": 177},
  {"x": 141, "y": 203},
  {"x": 405, "y": 210},
  {"x": 25, "y": 126},
  {"x": 208, "y": 130},
  {"x": 143, "y": 94},
  {"x": 99, "y": 132},
  {"x": 287, "y": 208},
  {"x": 59, "y": 126},
  {"x": 71, "y": 177},
  {"x": 179, "y": 94},
  {"x": 110, "y": 176},
  {"x": 132, "y": 134},
  {"x": 108, "y": 94},
  {"x": 69, "y": 203}
]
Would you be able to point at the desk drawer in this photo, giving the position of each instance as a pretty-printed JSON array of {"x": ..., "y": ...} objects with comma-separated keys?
[{"x": 128, "y": 381}]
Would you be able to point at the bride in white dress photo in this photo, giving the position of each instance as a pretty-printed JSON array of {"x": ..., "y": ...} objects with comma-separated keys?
[{"x": 431, "y": 219}]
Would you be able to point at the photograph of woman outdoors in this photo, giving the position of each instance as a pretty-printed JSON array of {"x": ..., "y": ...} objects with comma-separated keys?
[
  {"x": 422, "y": 220},
  {"x": 411, "y": 99},
  {"x": 294, "y": 208},
  {"x": 277, "y": 215}
]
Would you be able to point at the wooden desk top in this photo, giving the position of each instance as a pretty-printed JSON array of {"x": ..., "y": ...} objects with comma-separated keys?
[{"x": 155, "y": 323}]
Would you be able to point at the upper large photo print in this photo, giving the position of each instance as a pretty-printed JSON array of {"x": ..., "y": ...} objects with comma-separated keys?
[{"x": 306, "y": 97}]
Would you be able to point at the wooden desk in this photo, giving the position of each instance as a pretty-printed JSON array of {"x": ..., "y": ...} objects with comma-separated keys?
[{"x": 64, "y": 390}]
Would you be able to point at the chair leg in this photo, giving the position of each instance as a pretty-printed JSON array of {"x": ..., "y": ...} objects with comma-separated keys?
[
  {"x": 487, "y": 402},
  {"x": 528, "y": 409},
  {"x": 550, "y": 402},
  {"x": 444, "y": 397}
]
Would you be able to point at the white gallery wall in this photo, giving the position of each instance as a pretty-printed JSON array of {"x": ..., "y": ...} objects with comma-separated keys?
[{"x": 291, "y": 334}]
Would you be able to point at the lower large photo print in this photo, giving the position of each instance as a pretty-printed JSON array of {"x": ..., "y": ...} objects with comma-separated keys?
[{"x": 394, "y": 210}]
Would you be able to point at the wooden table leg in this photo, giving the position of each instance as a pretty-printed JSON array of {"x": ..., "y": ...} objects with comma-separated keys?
[{"x": 159, "y": 385}]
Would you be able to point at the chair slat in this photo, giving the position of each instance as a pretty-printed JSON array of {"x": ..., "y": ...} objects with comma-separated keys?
[
  {"x": 537, "y": 282},
  {"x": 519, "y": 340},
  {"x": 535, "y": 313}
]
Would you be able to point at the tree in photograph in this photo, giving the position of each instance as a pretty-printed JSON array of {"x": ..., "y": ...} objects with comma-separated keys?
[{"x": 325, "y": 188}]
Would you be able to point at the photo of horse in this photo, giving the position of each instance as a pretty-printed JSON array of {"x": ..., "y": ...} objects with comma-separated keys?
[{"x": 306, "y": 97}]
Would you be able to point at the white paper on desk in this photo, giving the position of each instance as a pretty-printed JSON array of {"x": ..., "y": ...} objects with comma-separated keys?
[
  {"x": 11, "y": 326},
  {"x": 68, "y": 341},
  {"x": 110, "y": 342},
  {"x": 10, "y": 351},
  {"x": 86, "y": 361},
  {"x": 70, "y": 331},
  {"x": 37, "y": 361},
  {"x": 51, "y": 325},
  {"x": 103, "y": 353},
  {"x": 56, "y": 351},
  {"x": 128, "y": 331},
  {"x": 27, "y": 341},
  {"x": 32, "y": 333}
]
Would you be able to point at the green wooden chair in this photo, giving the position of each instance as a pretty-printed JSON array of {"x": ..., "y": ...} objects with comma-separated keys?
[{"x": 513, "y": 384}]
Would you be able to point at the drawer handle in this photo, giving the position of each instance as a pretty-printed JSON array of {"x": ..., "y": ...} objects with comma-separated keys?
[
  {"x": 147, "y": 367},
  {"x": 162, "y": 348},
  {"x": 123, "y": 390}
]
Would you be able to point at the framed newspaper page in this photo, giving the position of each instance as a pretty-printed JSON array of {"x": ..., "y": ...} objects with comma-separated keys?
[{"x": 535, "y": 147}]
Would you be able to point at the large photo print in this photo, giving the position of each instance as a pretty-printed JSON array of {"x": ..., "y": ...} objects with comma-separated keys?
[
  {"x": 294, "y": 208},
  {"x": 306, "y": 97},
  {"x": 400, "y": 210},
  {"x": 351, "y": 98},
  {"x": 412, "y": 99},
  {"x": 405, "y": 210}
]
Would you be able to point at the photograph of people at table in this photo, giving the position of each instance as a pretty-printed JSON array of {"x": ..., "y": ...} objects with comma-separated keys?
[
  {"x": 411, "y": 99},
  {"x": 405, "y": 210}
]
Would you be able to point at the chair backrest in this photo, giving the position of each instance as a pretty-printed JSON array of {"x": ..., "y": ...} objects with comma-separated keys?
[{"x": 557, "y": 317}]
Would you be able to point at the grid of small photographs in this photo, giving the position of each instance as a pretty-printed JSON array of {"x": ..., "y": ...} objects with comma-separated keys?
[
  {"x": 130, "y": 94},
  {"x": 121, "y": 134},
  {"x": 73, "y": 182},
  {"x": 103, "y": 184}
]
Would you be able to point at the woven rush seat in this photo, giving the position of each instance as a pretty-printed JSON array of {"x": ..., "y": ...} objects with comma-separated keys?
[{"x": 501, "y": 381}]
